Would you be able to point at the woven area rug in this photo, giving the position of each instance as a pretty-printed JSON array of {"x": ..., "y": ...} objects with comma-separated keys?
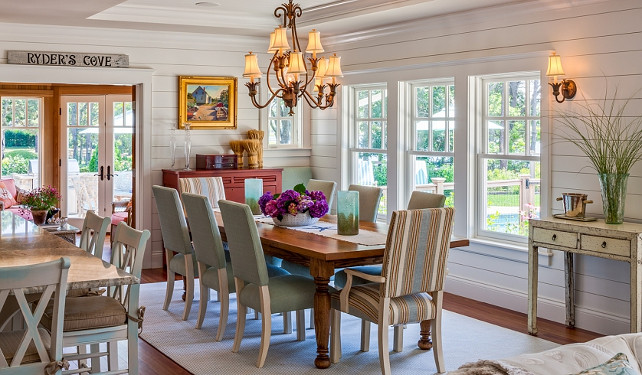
[{"x": 464, "y": 339}]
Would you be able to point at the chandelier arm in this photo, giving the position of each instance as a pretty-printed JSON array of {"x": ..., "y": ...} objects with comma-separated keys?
[
  {"x": 267, "y": 80},
  {"x": 282, "y": 9},
  {"x": 258, "y": 105},
  {"x": 312, "y": 102}
]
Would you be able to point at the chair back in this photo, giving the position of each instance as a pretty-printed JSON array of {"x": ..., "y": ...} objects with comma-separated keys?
[
  {"x": 127, "y": 253},
  {"x": 416, "y": 251},
  {"x": 206, "y": 237},
  {"x": 327, "y": 187},
  {"x": 422, "y": 199},
  {"x": 172, "y": 220},
  {"x": 92, "y": 237},
  {"x": 369, "y": 199},
  {"x": 246, "y": 252},
  {"x": 211, "y": 187},
  {"x": 18, "y": 346}
]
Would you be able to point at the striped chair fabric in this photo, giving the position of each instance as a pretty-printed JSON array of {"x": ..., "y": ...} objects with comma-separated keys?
[{"x": 211, "y": 187}]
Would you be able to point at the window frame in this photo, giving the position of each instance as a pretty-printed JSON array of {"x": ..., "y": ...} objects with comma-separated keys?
[
  {"x": 297, "y": 124},
  {"x": 412, "y": 118},
  {"x": 482, "y": 154}
]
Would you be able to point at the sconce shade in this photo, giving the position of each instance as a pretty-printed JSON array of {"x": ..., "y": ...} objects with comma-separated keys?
[
  {"x": 334, "y": 67},
  {"x": 280, "y": 39},
  {"x": 251, "y": 66},
  {"x": 554, "y": 66},
  {"x": 314, "y": 42},
  {"x": 296, "y": 63}
]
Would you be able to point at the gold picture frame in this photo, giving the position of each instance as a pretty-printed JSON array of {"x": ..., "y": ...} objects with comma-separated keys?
[{"x": 207, "y": 102}]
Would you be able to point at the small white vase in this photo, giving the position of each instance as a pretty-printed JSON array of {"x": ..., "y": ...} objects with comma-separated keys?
[{"x": 299, "y": 220}]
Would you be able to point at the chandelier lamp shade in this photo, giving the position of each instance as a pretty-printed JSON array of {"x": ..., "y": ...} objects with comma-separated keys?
[
  {"x": 294, "y": 74},
  {"x": 567, "y": 86}
]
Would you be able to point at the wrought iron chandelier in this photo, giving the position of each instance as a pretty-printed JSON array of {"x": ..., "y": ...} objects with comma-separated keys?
[{"x": 290, "y": 68}]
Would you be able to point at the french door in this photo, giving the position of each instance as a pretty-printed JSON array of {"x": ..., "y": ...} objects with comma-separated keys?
[{"x": 96, "y": 154}]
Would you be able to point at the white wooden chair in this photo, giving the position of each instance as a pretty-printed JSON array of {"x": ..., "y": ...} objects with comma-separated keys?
[
  {"x": 25, "y": 352},
  {"x": 113, "y": 317},
  {"x": 94, "y": 230},
  {"x": 410, "y": 287}
]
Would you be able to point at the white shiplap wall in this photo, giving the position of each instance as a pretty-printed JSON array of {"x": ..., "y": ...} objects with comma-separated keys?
[
  {"x": 601, "y": 46},
  {"x": 166, "y": 55}
]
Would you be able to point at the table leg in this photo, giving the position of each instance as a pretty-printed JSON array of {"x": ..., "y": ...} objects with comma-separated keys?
[
  {"x": 569, "y": 290},
  {"x": 532, "y": 287},
  {"x": 425, "y": 343},
  {"x": 322, "y": 272}
]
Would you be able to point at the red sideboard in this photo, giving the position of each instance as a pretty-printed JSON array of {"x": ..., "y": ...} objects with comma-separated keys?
[{"x": 233, "y": 179}]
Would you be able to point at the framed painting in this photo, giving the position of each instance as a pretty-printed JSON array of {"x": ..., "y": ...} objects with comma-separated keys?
[{"x": 207, "y": 102}]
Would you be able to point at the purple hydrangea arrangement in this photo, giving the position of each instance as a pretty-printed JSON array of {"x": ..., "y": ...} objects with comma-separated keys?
[{"x": 294, "y": 202}]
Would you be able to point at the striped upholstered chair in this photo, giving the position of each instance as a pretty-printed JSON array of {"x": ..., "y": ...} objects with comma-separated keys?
[
  {"x": 410, "y": 287},
  {"x": 211, "y": 187}
]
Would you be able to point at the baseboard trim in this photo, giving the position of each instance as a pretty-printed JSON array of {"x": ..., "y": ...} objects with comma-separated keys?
[{"x": 589, "y": 319}]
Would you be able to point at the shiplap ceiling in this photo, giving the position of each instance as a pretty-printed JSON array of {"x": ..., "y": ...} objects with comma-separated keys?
[{"x": 232, "y": 17}]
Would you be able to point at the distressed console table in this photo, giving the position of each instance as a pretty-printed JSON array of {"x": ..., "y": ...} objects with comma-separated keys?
[{"x": 613, "y": 241}]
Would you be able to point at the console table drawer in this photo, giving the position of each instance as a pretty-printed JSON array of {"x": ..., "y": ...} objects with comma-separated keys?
[
  {"x": 555, "y": 237},
  {"x": 605, "y": 245}
]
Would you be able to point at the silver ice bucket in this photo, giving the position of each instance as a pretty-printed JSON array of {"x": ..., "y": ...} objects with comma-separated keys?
[{"x": 574, "y": 204}]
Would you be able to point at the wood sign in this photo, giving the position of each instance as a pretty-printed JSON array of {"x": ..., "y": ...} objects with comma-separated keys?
[{"x": 68, "y": 59}]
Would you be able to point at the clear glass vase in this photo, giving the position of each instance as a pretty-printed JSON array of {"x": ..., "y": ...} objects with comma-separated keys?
[
  {"x": 613, "y": 186},
  {"x": 188, "y": 145},
  {"x": 348, "y": 212},
  {"x": 253, "y": 191}
]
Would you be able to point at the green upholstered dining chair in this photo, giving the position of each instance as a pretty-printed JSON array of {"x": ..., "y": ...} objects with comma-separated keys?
[
  {"x": 327, "y": 187},
  {"x": 109, "y": 318},
  {"x": 178, "y": 245},
  {"x": 410, "y": 286},
  {"x": 254, "y": 287},
  {"x": 32, "y": 350},
  {"x": 369, "y": 200},
  {"x": 214, "y": 265},
  {"x": 423, "y": 199},
  {"x": 94, "y": 230}
]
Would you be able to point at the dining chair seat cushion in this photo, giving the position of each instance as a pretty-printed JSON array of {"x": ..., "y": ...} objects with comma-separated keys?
[
  {"x": 209, "y": 278},
  {"x": 10, "y": 341},
  {"x": 177, "y": 264},
  {"x": 84, "y": 313},
  {"x": 364, "y": 304},
  {"x": 287, "y": 293},
  {"x": 340, "y": 277}
]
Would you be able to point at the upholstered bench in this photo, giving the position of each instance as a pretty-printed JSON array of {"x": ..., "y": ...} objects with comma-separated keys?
[{"x": 10, "y": 197}]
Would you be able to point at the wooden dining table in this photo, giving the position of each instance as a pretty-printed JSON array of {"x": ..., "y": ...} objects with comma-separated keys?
[
  {"x": 23, "y": 243},
  {"x": 323, "y": 255}
]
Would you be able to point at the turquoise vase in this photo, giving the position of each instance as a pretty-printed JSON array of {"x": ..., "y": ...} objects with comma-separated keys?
[
  {"x": 253, "y": 191},
  {"x": 348, "y": 212}
]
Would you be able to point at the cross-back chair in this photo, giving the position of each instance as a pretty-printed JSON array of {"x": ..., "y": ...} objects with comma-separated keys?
[
  {"x": 112, "y": 317},
  {"x": 94, "y": 230},
  {"x": 33, "y": 350},
  {"x": 410, "y": 287}
]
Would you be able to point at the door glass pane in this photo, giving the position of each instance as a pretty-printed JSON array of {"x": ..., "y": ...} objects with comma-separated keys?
[
  {"x": 33, "y": 112},
  {"x": 82, "y": 167},
  {"x": 19, "y": 112},
  {"x": 20, "y": 145},
  {"x": 123, "y": 133},
  {"x": 72, "y": 114}
]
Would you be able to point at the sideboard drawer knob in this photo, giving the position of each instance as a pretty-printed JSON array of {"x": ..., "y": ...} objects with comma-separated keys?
[
  {"x": 604, "y": 245},
  {"x": 554, "y": 237}
]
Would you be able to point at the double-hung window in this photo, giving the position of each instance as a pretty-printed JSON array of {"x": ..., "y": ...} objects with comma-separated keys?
[
  {"x": 283, "y": 130},
  {"x": 431, "y": 151},
  {"x": 368, "y": 144},
  {"x": 21, "y": 124},
  {"x": 508, "y": 159}
]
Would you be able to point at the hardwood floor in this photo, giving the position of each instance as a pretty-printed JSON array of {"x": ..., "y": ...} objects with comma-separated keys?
[{"x": 154, "y": 362}]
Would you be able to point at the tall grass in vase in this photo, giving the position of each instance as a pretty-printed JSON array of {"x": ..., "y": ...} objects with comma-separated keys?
[{"x": 612, "y": 140}]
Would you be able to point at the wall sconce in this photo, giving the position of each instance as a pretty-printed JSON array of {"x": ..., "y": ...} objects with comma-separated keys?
[{"x": 569, "y": 89}]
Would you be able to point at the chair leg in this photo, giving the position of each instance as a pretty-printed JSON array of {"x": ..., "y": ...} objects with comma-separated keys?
[
  {"x": 266, "y": 325},
  {"x": 365, "y": 335},
  {"x": 437, "y": 348},
  {"x": 335, "y": 335},
  {"x": 300, "y": 325},
  {"x": 384, "y": 318},
  {"x": 202, "y": 305},
  {"x": 287, "y": 322},
  {"x": 312, "y": 318},
  {"x": 224, "y": 294},
  {"x": 189, "y": 290},
  {"x": 241, "y": 311},
  {"x": 398, "y": 339},
  {"x": 170, "y": 282},
  {"x": 112, "y": 357}
]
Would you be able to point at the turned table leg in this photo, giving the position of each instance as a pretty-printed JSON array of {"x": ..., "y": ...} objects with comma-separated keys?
[
  {"x": 425, "y": 343},
  {"x": 322, "y": 272}
]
